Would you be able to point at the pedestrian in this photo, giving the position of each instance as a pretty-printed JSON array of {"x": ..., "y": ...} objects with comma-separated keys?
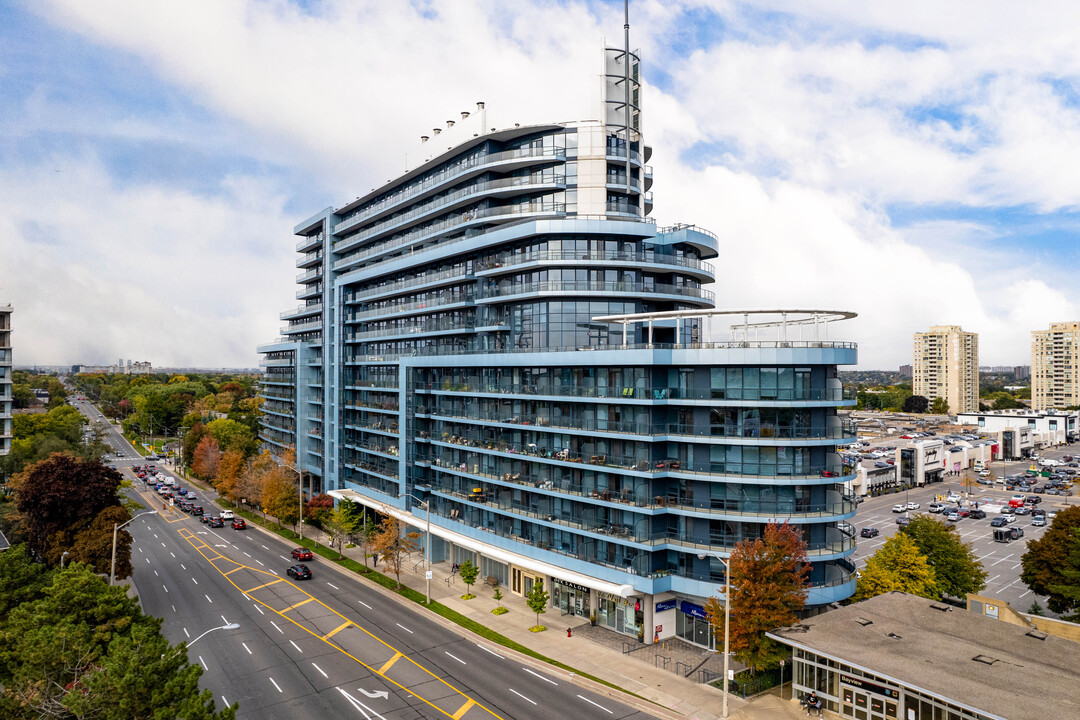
[{"x": 375, "y": 559}]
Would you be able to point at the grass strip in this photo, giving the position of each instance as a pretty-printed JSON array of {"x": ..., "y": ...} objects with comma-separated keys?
[{"x": 419, "y": 598}]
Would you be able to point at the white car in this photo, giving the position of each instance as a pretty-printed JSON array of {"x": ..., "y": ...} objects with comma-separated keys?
[
  {"x": 899, "y": 508},
  {"x": 1010, "y": 519},
  {"x": 952, "y": 497},
  {"x": 984, "y": 473},
  {"x": 913, "y": 505},
  {"x": 1021, "y": 498}
]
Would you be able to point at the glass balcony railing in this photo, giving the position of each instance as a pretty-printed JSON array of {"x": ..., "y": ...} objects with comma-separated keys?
[
  {"x": 509, "y": 260},
  {"x": 421, "y": 234},
  {"x": 479, "y": 444},
  {"x": 778, "y": 432},
  {"x": 466, "y": 165},
  {"x": 442, "y": 202},
  {"x": 635, "y": 393},
  {"x": 410, "y": 329},
  {"x": 301, "y": 311},
  {"x": 308, "y": 241},
  {"x": 506, "y": 290},
  {"x": 397, "y": 308}
]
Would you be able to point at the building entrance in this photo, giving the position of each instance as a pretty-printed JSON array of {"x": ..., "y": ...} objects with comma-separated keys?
[{"x": 865, "y": 704}]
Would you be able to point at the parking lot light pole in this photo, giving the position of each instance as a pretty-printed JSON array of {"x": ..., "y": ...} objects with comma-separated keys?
[
  {"x": 727, "y": 622},
  {"x": 115, "y": 527},
  {"x": 427, "y": 552}
]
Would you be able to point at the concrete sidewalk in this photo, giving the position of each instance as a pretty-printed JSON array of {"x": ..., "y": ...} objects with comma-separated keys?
[
  {"x": 666, "y": 694},
  {"x": 597, "y": 651}
]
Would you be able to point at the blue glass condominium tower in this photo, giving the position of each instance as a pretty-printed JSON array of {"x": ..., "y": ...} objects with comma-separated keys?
[{"x": 502, "y": 335}]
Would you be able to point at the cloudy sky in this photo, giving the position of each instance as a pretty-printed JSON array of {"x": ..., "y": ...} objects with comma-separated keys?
[{"x": 917, "y": 162}]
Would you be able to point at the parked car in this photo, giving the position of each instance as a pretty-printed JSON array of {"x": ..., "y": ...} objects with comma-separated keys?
[
  {"x": 1033, "y": 500},
  {"x": 936, "y": 507},
  {"x": 1017, "y": 532},
  {"x": 903, "y": 520},
  {"x": 977, "y": 514},
  {"x": 912, "y": 505},
  {"x": 305, "y": 554},
  {"x": 952, "y": 497},
  {"x": 867, "y": 532},
  {"x": 1023, "y": 510},
  {"x": 952, "y": 516},
  {"x": 999, "y": 521},
  {"x": 239, "y": 524},
  {"x": 299, "y": 572},
  {"x": 1038, "y": 520},
  {"x": 899, "y": 508}
]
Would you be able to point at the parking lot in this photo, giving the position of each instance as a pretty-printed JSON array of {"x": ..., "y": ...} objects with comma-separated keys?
[{"x": 1000, "y": 560}]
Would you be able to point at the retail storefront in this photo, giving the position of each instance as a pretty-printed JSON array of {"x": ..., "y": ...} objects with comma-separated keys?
[
  {"x": 901, "y": 657},
  {"x": 619, "y": 613},
  {"x": 570, "y": 598},
  {"x": 692, "y": 625}
]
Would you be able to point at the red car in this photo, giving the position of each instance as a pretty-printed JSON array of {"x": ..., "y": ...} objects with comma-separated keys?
[
  {"x": 238, "y": 524},
  {"x": 302, "y": 554}
]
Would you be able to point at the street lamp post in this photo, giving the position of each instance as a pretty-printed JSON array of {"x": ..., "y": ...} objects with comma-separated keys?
[
  {"x": 727, "y": 621},
  {"x": 427, "y": 552},
  {"x": 66, "y": 553},
  {"x": 115, "y": 527}
]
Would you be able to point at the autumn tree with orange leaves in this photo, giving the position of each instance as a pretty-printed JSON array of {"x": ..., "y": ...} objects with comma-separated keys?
[
  {"x": 207, "y": 457},
  {"x": 768, "y": 589}
]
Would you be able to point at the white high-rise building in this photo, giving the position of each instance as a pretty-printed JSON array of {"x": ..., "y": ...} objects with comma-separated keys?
[
  {"x": 946, "y": 365},
  {"x": 1055, "y": 374}
]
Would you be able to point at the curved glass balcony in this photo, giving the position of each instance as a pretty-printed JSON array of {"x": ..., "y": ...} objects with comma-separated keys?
[
  {"x": 471, "y": 165},
  {"x": 681, "y": 292},
  {"x": 513, "y": 261},
  {"x": 622, "y": 392}
]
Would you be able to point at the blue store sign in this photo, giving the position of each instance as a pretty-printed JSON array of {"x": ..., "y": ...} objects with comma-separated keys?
[
  {"x": 689, "y": 608},
  {"x": 666, "y": 605}
]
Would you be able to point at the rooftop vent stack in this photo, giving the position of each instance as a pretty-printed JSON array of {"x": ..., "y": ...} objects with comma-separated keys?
[
  {"x": 449, "y": 124},
  {"x": 436, "y": 130},
  {"x": 464, "y": 114},
  {"x": 424, "y": 138}
]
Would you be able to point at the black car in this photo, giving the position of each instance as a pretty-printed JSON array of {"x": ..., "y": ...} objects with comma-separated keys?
[
  {"x": 216, "y": 522},
  {"x": 999, "y": 522},
  {"x": 196, "y": 510},
  {"x": 1033, "y": 500},
  {"x": 977, "y": 514},
  {"x": 299, "y": 572},
  {"x": 1037, "y": 511},
  {"x": 1038, "y": 489},
  {"x": 869, "y": 532}
]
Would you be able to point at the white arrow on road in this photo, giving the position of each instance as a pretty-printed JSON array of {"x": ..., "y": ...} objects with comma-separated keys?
[
  {"x": 381, "y": 693},
  {"x": 357, "y": 705}
]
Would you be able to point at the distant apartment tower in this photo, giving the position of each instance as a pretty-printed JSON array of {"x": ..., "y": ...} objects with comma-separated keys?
[
  {"x": 905, "y": 371},
  {"x": 946, "y": 365},
  {"x": 1055, "y": 374},
  {"x": 5, "y": 380}
]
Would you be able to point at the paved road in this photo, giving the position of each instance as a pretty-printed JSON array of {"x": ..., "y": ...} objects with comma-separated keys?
[
  {"x": 1001, "y": 561},
  {"x": 330, "y": 647}
]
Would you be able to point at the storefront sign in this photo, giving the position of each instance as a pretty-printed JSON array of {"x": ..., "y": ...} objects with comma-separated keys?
[
  {"x": 666, "y": 605},
  {"x": 689, "y": 608},
  {"x": 614, "y": 598},
  {"x": 571, "y": 585},
  {"x": 865, "y": 686}
]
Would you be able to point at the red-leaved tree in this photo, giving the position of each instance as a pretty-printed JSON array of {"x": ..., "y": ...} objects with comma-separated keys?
[
  {"x": 768, "y": 589},
  {"x": 207, "y": 457}
]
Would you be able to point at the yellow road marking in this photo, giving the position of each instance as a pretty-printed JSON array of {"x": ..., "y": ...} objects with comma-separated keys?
[
  {"x": 336, "y": 630},
  {"x": 263, "y": 585},
  {"x": 463, "y": 709},
  {"x": 293, "y": 607},
  {"x": 238, "y": 567},
  {"x": 390, "y": 663},
  {"x": 345, "y": 652}
]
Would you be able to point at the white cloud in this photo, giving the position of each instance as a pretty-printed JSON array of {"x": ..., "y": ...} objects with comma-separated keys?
[
  {"x": 824, "y": 121},
  {"x": 98, "y": 271}
]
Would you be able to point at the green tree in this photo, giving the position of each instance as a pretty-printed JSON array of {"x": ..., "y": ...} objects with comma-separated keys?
[
  {"x": 392, "y": 545},
  {"x": 468, "y": 572},
  {"x": 339, "y": 523},
  {"x": 231, "y": 434},
  {"x": 916, "y": 404},
  {"x": 940, "y": 406},
  {"x": 898, "y": 565},
  {"x": 537, "y": 600},
  {"x": 1045, "y": 564},
  {"x": 957, "y": 569},
  {"x": 497, "y": 596},
  {"x": 1069, "y": 589},
  {"x": 768, "y": 590},
  {"x": 76, "y": 648},
  {"x": 64, "y": 495}
]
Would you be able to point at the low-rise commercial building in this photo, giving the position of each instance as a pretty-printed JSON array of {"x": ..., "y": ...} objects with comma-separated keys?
[
  {"x": 901, "y": 657},
  {"x": 1046, "y": 428}
]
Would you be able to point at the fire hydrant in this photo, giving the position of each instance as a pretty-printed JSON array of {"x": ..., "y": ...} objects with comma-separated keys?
[{"x": 568, "y": 634}]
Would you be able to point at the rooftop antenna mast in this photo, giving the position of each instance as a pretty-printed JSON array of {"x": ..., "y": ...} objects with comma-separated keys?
[{"x": 626, "y": 86}]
